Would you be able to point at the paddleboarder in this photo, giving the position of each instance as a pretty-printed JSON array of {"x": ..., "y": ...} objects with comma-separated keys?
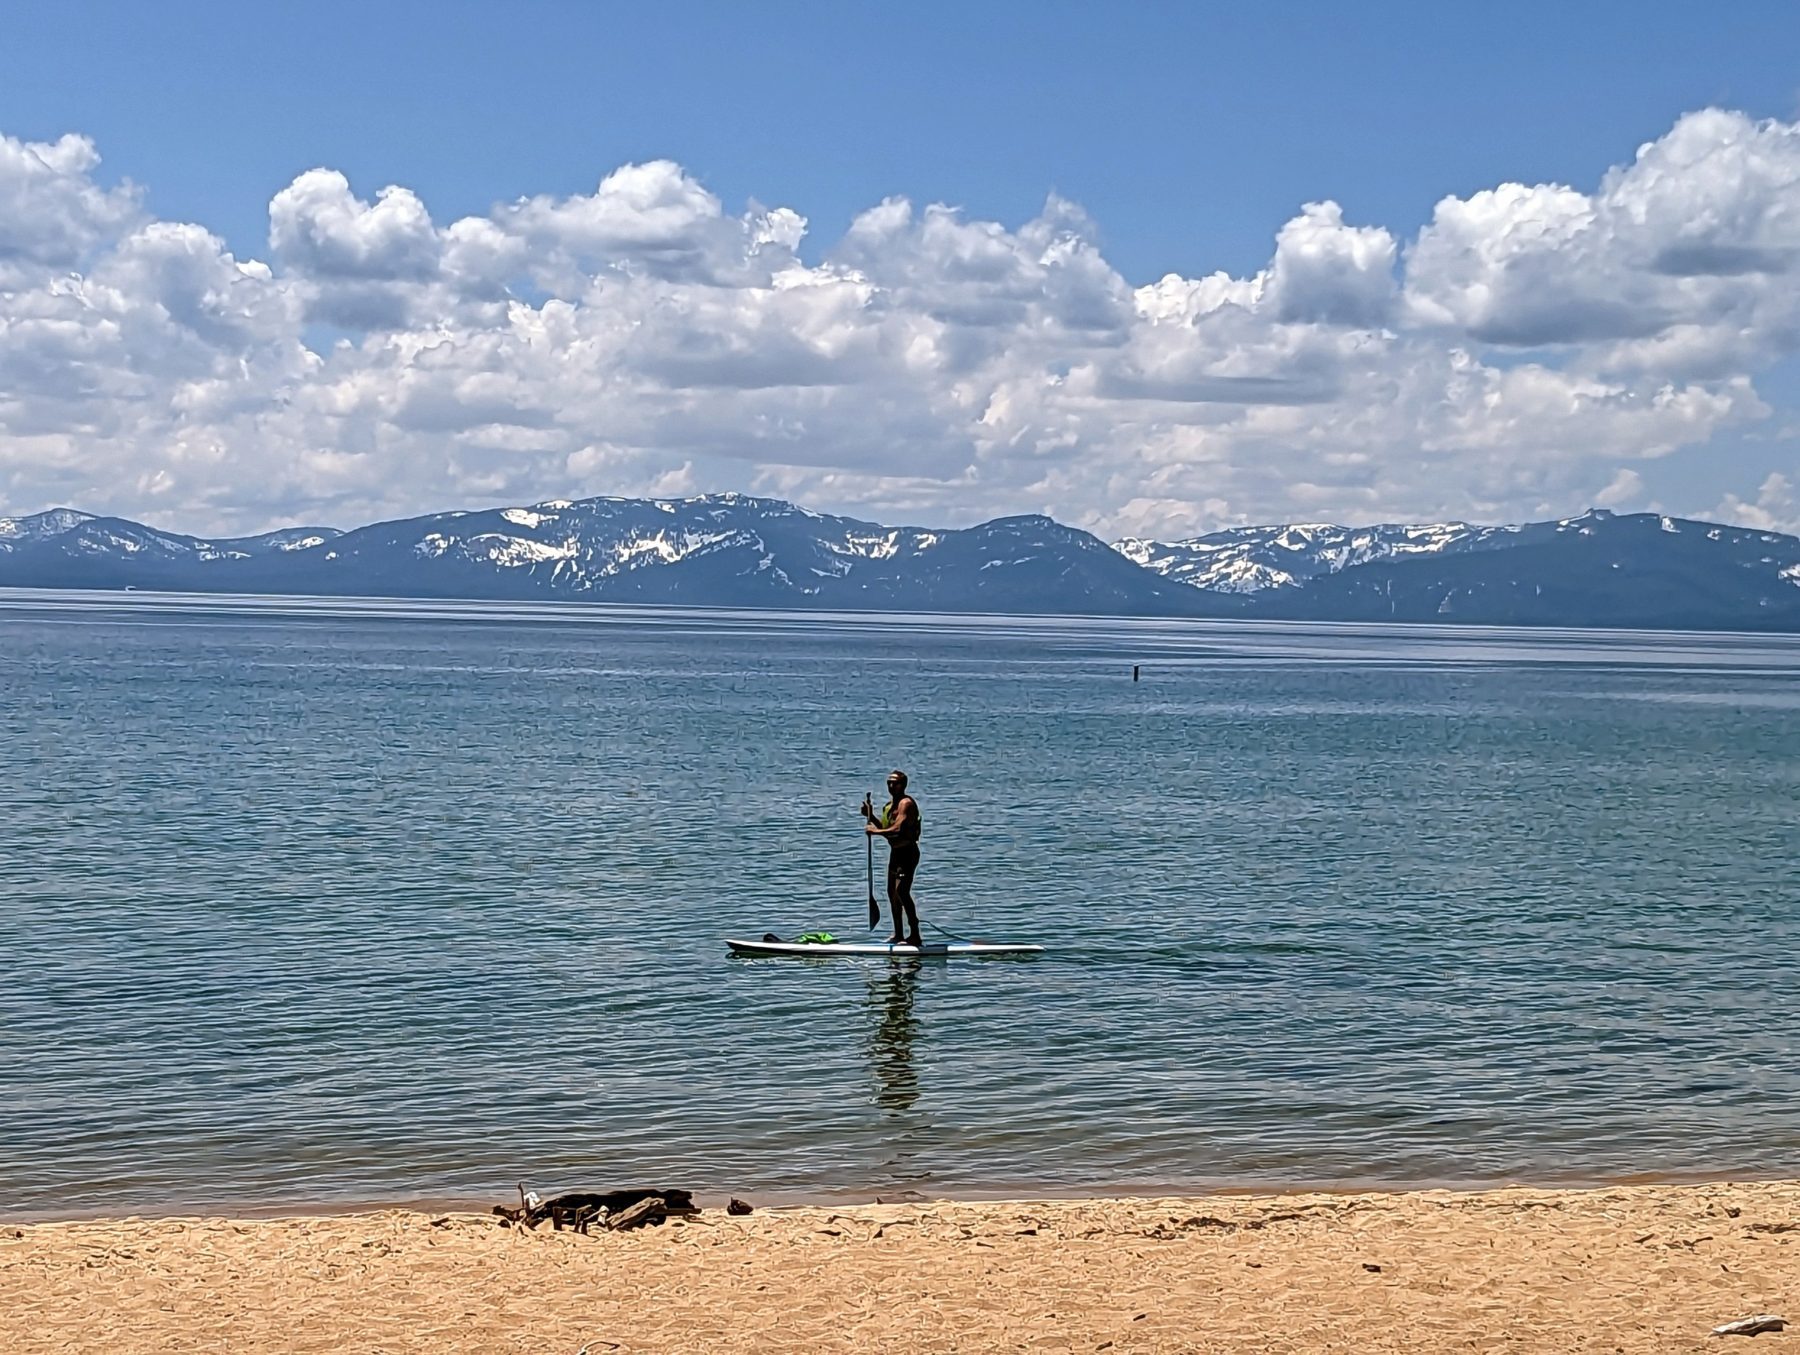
[{"x": 899, "y": 823}]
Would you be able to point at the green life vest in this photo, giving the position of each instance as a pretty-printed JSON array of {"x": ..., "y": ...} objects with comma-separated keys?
[{"x": 886, "y": 820}]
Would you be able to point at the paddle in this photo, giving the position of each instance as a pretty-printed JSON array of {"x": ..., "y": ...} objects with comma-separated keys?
[{"x": 874, "y": 908}]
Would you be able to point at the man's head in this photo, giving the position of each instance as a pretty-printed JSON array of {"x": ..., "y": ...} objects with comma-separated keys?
[{"x": 896, "y": 783}]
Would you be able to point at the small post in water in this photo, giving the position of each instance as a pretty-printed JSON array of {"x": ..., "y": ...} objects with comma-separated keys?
[{"x": 1134, "y": 672}]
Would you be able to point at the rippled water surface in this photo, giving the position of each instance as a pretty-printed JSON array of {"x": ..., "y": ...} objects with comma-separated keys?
[{"x": 328, "y": 901}]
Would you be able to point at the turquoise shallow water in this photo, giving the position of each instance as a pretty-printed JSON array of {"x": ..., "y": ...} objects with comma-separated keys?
[{"x": 330, "y": 902}]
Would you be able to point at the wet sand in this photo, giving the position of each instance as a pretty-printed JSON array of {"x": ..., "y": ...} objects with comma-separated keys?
[{"x": 1623, "y": 1269}]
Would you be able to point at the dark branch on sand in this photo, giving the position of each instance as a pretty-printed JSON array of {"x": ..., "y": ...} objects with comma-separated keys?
[{"x": 617, "y": 1210}]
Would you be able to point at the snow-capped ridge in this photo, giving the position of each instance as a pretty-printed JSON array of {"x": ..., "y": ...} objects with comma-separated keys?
[
  {"x": 1254, "y": 559},
  {"x": 1595, "y": 568},
  {"x": 51, "y": 522},
  {"x": 744, "y": 548}
]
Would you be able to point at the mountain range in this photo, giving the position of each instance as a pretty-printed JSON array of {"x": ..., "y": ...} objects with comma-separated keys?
[{"x": 733, "y": 550}]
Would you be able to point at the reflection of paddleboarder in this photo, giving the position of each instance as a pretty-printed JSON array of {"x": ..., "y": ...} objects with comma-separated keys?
[
  {"x": 899, "y": 823},
  {"x": 891, "y": 1044}
]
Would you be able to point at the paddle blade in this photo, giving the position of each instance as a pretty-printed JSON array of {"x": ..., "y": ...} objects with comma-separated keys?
[{"x": 869, "y": 842}]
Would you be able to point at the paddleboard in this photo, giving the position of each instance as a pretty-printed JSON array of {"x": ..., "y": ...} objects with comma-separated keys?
[{"x": 929, "y": 951}]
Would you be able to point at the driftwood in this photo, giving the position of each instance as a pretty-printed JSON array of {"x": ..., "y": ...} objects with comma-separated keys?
[
  {"x": 651, "y": 1210},
  {"x": 579, "y": 1210},
  {"x": 1751, "y": 1326}
]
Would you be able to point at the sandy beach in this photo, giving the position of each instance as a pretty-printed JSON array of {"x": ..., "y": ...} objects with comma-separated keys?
[{"x": 1634, "y": 1268}]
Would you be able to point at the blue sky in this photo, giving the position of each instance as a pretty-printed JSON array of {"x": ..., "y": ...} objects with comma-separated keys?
[
  {"x": 1191, "y": 132},
  {"x": 1190, "y": 135}
]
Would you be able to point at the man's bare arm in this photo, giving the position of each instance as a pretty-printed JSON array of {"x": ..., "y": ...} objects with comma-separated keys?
[{"x": 904, "y": 812}]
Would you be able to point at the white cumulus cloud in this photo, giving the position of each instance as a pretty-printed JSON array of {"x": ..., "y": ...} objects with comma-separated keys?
[
  {"x": 1776, "y": 507},
  {"x": 52, "y": 213},
  {"x": 1534, "y": 348},
  {"x": 1678, "y": 258},
  {"x": 1328, "y": 272}
]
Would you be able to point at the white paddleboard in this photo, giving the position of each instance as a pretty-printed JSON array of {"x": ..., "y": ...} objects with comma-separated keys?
[{"x": 930, "y": 950}]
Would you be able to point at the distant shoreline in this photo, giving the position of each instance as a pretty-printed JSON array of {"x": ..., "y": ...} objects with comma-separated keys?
[{"x": 574, "y": 611}]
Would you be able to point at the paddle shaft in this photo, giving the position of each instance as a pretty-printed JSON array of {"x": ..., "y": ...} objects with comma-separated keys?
[{"x": 874, "y": 907}]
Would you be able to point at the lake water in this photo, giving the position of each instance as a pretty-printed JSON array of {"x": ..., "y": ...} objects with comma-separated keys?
[{"x": 325, "y": 901}]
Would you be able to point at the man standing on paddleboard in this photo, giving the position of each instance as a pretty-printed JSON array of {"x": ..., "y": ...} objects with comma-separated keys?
[{"x": 899, "y": 824}]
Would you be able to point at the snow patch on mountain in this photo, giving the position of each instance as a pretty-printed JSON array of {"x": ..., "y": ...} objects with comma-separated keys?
[
  {"x": 669, "y": 548},
  {"x": 54, "y": 522},
  {"x": 512, "y": 551},
  {"x": 1256, "y": 559},
  {"x": 884, "y": 546}
]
